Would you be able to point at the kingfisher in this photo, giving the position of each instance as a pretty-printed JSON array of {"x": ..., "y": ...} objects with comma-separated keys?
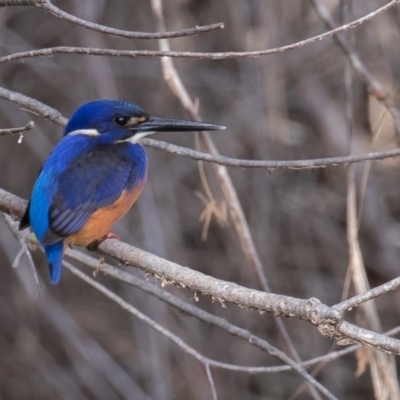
[{"x": 93, "y": 176}]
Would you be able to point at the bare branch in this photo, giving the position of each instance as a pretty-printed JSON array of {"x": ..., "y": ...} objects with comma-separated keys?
[
  {"x": 33, "y": 105},
  {"x": 12, "y": 205},
  {"x": 327, "y": 319},
  {"x": 17, "y": 131},
  {"x": 57, "y": 12},
  {"x": 312, "y": 310},
  {"x": 181, "y": 305},
  {"x": 211, "y": 381},
  {"x": 8, "y": 3},
  {"x": 178, "y": 341},
  {"x": 188, "y": 309},
  {"x": 271, "y": 165},
  {"x": 374, "y": 86},
  {"x": 206, "y": 317},
  {"x": 355, "y": 301},
  {"x": 187, "y": 54},
  {"x": 55, "y": 116},
  {"x": 22, "y": 239}
]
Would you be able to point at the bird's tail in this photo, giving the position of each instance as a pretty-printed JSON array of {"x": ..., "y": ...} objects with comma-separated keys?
[{"x": 54, "y": 253}]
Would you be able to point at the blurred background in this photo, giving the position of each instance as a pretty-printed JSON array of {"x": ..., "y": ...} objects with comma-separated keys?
[{"x": 73, "y": 343}]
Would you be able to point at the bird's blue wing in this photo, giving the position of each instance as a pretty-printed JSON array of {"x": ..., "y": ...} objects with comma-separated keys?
[
  {"x": 78, "y": 178},
  {"x": 93, "y": 180}
]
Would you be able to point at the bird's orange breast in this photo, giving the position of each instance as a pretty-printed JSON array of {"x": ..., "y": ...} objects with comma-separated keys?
[{"x": 102, "y": 220}]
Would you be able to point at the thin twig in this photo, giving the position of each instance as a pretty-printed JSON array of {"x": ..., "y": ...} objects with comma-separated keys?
[
  {"x": 17, "y": 131},
  {"x": 9, "y": 3},
  {"x": 355, "y": 301},
  {"x": 382, "y": 366},
  {"x": 188, "y": 54},
  {"x": 33, "y": 105},
  {"x": 374, "y": 86},
  {"x": 211, "y": 381},
  {"x": 57, "y": 12},
  {"x": 267, "y": 164},
  {"x": 21, "y": 237}
]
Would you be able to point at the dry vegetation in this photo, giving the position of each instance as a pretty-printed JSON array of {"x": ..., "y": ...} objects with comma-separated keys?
[{"x": 326, "y": 233}]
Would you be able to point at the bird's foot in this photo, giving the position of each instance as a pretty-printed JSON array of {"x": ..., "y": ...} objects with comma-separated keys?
[
  {"x": 94, "y": 246},
  {"x": 110, "y": 235}
]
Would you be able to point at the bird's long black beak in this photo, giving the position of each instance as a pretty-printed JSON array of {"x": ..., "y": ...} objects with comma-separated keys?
[{"x": 160, "y": 124}]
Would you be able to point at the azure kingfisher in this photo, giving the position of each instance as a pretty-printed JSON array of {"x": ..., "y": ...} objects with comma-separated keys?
[{"x": 93, "y": 175}]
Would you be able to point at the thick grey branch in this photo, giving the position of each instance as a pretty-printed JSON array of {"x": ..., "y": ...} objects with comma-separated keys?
[
  {"x": 327, "y": 319},
  {"x": 204, "y": 315}
]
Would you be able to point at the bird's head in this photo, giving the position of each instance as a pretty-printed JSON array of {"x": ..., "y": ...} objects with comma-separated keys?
[{"x": 116, "y": 120}]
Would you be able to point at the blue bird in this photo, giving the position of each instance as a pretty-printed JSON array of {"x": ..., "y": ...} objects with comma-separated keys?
[{"x": 93, "y": 175}]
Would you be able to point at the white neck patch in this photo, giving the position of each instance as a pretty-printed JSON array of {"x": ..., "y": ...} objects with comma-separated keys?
[
  {"x": 135, "y": 138},
  {"x": 87, "y": 132}
]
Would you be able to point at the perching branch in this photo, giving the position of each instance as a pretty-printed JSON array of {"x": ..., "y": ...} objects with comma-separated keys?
[
  {"x": 327, "y": 319},
  {"x": 208, "y": 318},
  {"x": 187, "y": 308}
]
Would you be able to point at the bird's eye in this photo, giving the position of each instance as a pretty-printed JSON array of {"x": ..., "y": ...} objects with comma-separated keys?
[{"x": 120, "y": 120}]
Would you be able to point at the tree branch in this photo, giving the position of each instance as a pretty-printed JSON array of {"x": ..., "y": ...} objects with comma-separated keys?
[
  {"x": 327, "y": 319},
  {"x": 17, "y": 131},
  {"x": 206, "y": 317},
  {"x": 179, "y": 342},
  {"x": 55, "y": 116},
  {"x": 187, "y": 54},
  {"x": 33, "y": 105},
  {"x": 359, "y": 299},
  {"x": 375, "y": 87},
  {"x": 57, "y": 12},
  {"x": 267, "y": 164}
]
